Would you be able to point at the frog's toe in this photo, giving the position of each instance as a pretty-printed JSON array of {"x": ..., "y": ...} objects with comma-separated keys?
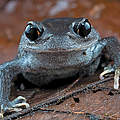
[
  {"x": 18, "y": 100},
  {"x": 116, "y": 78},
  {"x": 106, "y": 71},
  {"x": 11, "y": 109},
  {"x": 21, "y": 105}
]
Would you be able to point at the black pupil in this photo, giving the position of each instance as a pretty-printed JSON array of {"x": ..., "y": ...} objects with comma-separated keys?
[
  {"x": 31, "y": 32},
  {"x": 83, "y": 29}
]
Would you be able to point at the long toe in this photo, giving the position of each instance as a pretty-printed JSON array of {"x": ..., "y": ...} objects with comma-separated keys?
[
  {"x": 21, "y": 105},
  {"x": 116, "y": 78},
  {"x": 18, "y": 100}
]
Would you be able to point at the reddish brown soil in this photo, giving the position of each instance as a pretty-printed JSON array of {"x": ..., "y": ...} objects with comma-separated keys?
[{"x": 103, "y": 14}]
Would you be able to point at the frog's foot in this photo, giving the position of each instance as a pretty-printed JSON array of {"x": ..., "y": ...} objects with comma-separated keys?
[
  {"x": 16, "y": 105},
  {"x": 110, "y": 69},
  {"x": 106, "y": 71}
]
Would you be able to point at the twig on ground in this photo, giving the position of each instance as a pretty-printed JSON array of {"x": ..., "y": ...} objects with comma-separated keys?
[{"x": 55, "y": 100}]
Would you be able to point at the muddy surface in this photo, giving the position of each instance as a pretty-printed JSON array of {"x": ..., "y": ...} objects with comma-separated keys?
[{"x": 103, "y": 14}]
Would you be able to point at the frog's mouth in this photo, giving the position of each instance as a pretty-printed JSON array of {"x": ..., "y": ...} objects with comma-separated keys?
[{"x": 37, "y": 49}]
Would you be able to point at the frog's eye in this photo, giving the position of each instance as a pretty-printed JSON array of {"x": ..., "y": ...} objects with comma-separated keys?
[
  {"x": 82, "y": 28},
  {"x": 32, "y": 32}
]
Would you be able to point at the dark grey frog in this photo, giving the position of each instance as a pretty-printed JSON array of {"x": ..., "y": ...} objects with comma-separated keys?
[{"x": 54, "y": 49}]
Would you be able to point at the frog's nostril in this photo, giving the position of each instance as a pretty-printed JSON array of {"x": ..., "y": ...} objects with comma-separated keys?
[{"x": 84, "y": 53}]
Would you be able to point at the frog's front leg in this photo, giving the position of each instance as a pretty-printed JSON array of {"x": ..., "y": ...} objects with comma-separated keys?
[
  {"x": 7, "y": 71},
  {"x": 113, "y": 49}
]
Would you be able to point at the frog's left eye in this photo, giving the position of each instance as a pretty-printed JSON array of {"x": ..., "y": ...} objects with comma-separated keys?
[
  {"x": 82, "y": 28},
  {"x": 32, "y": 32}
]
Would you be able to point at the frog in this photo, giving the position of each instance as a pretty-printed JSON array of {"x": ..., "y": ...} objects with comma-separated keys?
[{"x": 52, "y": 49}]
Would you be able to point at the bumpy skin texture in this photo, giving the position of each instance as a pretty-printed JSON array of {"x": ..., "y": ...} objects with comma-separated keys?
[{"x": 58, "y": 53}]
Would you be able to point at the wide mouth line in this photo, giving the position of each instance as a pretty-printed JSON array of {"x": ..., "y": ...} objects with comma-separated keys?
[
  {"x": 51, "y": 51},
  {"x": 36, "y": 49},
  {"x": 54, "y": 50}
]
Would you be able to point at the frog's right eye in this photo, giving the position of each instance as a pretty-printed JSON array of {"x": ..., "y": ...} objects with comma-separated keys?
[{"x": 32, "y": 32}]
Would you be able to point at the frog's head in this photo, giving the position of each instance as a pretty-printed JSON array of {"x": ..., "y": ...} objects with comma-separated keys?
[{"x": 59, "y": 35}]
